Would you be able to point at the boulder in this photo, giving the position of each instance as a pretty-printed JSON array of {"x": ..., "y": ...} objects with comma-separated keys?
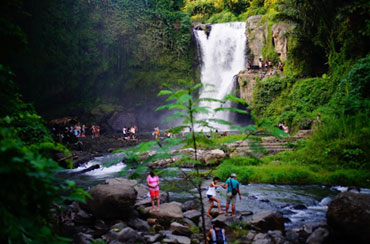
[
  {"x": 111, "y": 201},
  {"x": 168, "y": 213},
  {"x": 213, "y": 156},
  {"x": 84, "y": 218},
  {"x": 318, "y": 236},
  {"x": 193, "y": 215},
  {"x": 152, "y": 238},
  {"x": 269, "y": 220},
  {"x": 176, "y": 239},
  {"x": 189, "y": 205},
  {"x": 179, "y": 229},
  {"x": 226, "y": 220},
  {"x": 126, "y": 235},
  {"x": 139, "y": 224},
  {"x": 142, "y": 198},
  {"x": 121, "y": 119},
  {"x": 348, "y": 216}
]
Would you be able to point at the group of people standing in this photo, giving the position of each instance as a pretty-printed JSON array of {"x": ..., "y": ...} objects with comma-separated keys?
[
  {"x": 129, "y": 132},
  {"x": 217, "y": 233}
]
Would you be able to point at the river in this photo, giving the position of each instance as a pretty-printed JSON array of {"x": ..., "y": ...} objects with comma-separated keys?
[{"x": 298, "y": 203}]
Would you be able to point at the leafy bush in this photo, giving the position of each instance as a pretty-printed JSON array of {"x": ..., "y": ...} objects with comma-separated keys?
[{"x": 29, "y": 192}]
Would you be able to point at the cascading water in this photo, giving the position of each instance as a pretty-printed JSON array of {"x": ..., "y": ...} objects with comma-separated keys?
[{"x": 223, "y": 56}]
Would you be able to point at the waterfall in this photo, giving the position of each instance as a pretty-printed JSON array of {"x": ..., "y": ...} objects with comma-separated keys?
[{"x": 223, "y": 56}]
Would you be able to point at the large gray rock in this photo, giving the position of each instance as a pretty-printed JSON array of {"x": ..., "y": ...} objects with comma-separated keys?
[
  {"x": 176, "y": 239},
  {"x": 179, "y": 229},
  {"x": 168, "y": 213},
  {"x": 348, "y": 216},
  {"x": 226, "y": 220},
  {"x": 122, "y": 119},
  {"x": 126, "y": 235},
  {"x": 280, "y": 36},
  {"x": 318, "y": 236},
  {"x": 213, "y": 156},
  {"x": 111, "y": 201},
  {"x": 139, "y": 224},
  {"x": 142, "y": 198},
  {"x": 193, "y": 215},
  {"x": 269, "y": 220}
]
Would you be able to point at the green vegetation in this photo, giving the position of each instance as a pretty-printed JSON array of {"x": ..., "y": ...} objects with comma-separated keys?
[
  {"x": 336, "y": 152},
  {"x": 30, "y": 189}
]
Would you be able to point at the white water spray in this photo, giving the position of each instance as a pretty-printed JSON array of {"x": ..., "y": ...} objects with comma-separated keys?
[{"x": 223, "y": 56}]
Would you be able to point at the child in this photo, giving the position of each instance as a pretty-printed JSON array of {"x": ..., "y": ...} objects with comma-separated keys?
[
  {"x": 153, "y": 182},
  {"x": 211, "y": 194}
]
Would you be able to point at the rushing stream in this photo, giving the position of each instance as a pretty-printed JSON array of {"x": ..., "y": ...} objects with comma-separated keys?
[{"x": 298, "y": 203}]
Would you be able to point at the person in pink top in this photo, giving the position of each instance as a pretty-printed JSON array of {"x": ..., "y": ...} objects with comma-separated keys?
[{"x": 153, "y": 181}]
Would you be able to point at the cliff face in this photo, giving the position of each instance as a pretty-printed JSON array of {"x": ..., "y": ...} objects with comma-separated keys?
[{"x": 260, "y": 35}]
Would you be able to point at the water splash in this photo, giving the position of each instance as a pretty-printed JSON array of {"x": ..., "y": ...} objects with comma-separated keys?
[{"x": 223, "y": 56}]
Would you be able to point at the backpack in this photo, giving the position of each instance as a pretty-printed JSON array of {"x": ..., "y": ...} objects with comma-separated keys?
[
  {"x": 234, "y": 191},
  {"x": 219, "y": 236}
]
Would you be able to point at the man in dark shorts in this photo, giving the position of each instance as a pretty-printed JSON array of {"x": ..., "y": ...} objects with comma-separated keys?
[{"x": 232, "y": 186}]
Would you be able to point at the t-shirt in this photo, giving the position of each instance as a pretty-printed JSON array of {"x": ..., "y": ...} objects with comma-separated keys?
[
  {"x": 153, "y": 181},
  {"x": 232, "y": 183}
]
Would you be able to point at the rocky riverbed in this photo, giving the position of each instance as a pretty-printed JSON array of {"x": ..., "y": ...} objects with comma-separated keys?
[{"x": 119, "y": 212}]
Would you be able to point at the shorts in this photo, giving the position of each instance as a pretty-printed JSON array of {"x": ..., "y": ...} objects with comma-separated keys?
[
  {"x": 230, "y": 198},
  {"x": 209, "y": 197},
  {"x": 154, "y": 193}
]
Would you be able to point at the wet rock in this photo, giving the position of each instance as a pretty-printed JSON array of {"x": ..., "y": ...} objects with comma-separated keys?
[
  {"x": 126, "y": 235},
  {"x": 262, "y": 238},
  {"x": 318, "y": 236},
  {"x": 276, "y": 236},
  {"x": 168, "y": 213},
  {"x": 111, "y": 201},
  {"x": 292, "y": 235},
  {"x": 179, "y": 229},
  {"x": 84, "y": 218},
  {"x": 299, "y": 207},
  {"x": 152, "y": 221},
  {"x": 208, "y": 223},
  {"x": 348, "y": 216},
  {"x": 189, "y": 222},
  {"x": 152, "y": 238},
  {"x": 269, "y": 220},
  {"x": 188, "y": 205},
  {"x": 226, "y": 220},
  {"x": 139, "y": 224},
  {"x": 176, "y": 239},
  {"x": 312, "y": 226},
  {"x": 82, "y": 238},
  {"x": 193, "y": 215}
]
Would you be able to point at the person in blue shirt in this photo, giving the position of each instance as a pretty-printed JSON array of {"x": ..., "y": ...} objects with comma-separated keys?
[{"x": 232, "y": 186}]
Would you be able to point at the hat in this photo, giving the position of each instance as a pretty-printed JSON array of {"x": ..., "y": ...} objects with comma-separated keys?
[{"x": 233, "y": 175}]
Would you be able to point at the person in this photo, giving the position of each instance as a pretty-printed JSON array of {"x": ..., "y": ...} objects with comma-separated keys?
[
  {"x": 124, "y": 132},
  {"x": 281, "y": 67},
  {"x": 83, "y": 131},
  {"x": 211, "y": 194},
  {"x": 232, "y": 186},
  {"x": 153, "y": 182},
  {"x": 283, "y": 127},
  {"x": 216, "y": 235},
  {"x": 260, "y": 64}
]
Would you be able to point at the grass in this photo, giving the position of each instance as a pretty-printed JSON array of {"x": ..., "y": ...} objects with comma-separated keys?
[{"x": 290, "y": 172}]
